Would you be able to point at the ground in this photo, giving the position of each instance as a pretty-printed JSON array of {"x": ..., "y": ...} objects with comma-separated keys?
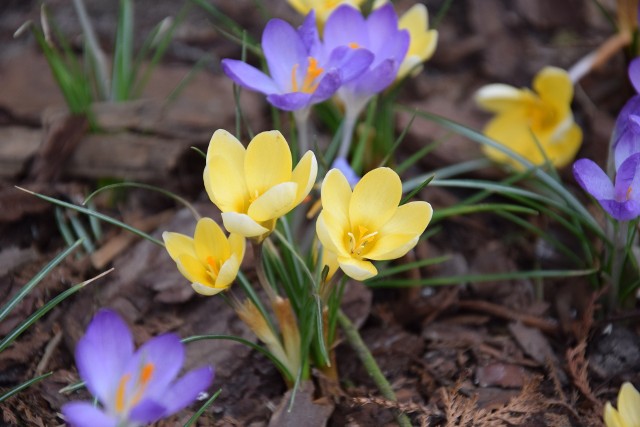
[{"x": 473, "y": 354}]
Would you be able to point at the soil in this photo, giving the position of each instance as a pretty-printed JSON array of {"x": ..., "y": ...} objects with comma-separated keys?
[{"x": 500, "y": 353}]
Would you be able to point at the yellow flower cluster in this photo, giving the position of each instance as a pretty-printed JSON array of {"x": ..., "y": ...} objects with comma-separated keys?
[
  {"x": 628, "y": 412},
  {"x": 538, "y": 124}
]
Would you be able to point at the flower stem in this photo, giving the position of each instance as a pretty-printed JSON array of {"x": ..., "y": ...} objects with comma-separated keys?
[
  {"x": 617, "y": 263},
  {"x": 302, "y": 123},
  {"x": 354, "y": 338},
  {"x": 347, "y": 133}
]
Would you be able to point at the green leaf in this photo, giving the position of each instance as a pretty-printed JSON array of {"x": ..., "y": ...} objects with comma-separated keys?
[{"x": 24, "y": 385}]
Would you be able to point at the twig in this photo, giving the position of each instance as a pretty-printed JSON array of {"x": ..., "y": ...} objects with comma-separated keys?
[
  {"x": 545, "y": 326},
  {"x": 48, "y": 351},
  {"x": 354, "y": 338}
]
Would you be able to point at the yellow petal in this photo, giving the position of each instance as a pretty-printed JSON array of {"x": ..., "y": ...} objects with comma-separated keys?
[
  {"x": 224, "y": 144},
  {"x": 226, "y": 184},
  {"x": 206, "y": 290},
  {"x": 629, "y": 405},
  {"x": 357, "y": 269},
  {"x": 336, "y": 195},
  {"x": 242, "y": 224},
  {"x": 210, "y": 241},
  {"x": 415, "y": 20},
  {"x": 275, "y": 202},
  {"x": 267, "y": 162},
  {"x": 512, "y": 131},
  {"x": 555, "y": 88},
  {"x": 330, "y": 259},
  {"x": 193, "y": 270},
  {"x": 238, "y": 245},
  {"x": 375, "y": 199},
  {"x": 178, "y": 244},
  {"x": 500, "y": 97},
  {"x": 304, "y": 175},
  {"x": 331, "y": 234},
  {"x": 401, "y": 232},
  {"x": 228, "y": 272},
  {"x": 300, "y": 6},
  {"x": 563, "y": 150},
  {"x": 612, "y": 417}
]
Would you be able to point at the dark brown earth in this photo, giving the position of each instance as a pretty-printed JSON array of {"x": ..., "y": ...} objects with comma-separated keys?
[{"x": 474, "y": 354}]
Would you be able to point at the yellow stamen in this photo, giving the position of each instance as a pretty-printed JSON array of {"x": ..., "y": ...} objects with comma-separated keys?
[
  {"x": 309, "y": 84},
  {"x": 358, "y": 244},
  {"x": 353, "y": 45},
  {"x": 122, "y": 386},
  {"x": 145, "y": 376},
  {"x": 629, "y": 193}
]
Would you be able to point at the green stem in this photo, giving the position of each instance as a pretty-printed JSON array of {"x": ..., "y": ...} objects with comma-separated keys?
[
  {"x": 617, "y": 263},
  {"x": 361, "y": 349},
  {"x": 302, "y": 123}
]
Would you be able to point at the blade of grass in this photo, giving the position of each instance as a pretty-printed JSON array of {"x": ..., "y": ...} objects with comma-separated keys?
[
  {"x": 121, "y": 75},
  {"x": 485, "y": 207},
  {"x": 24, "y": 385},
  {"x": 98, "y": 215},
  {"x": 4, "y": 311},
  {"x": 203, "y": 408},
  {"x": 15, "y": 333}
]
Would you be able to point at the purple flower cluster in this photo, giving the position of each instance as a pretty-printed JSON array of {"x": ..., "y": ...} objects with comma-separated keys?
[
  {"x": 135, "y": 388},
  {"x": 621, "y": 198},
  {"x": 358, "y": 58}
]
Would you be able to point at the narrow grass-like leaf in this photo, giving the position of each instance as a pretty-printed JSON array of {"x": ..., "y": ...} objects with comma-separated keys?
[
  {"x": 63, "y": 227},
  {"x": 81, "y": 232},
  {"x": 283, "y": 369},
  {"x": 72, "y": 387},
  {"x": 98, "y": 215},
  {"x": 23, "y": 386},
  {"x": 11, "y": 336},
  {"x": 182, "y": 84},
  {"x": 4, "y": 311},
  {"x": 543, "y": 176},
  {"x": 397, "y": 143},
  {"x": 390, "y": 271},
  {"x": 162, "y": 191},
  {"x": 203, "y": 408},
  {"x": 121, "y": 75},
  {"x": 476, "y": 278},
  {"x": 416, "y": 190},
  {"x": 442, "y": 213},
  {"x": 415, "y": 157}
]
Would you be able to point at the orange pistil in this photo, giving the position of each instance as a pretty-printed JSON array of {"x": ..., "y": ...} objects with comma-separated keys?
[
  {"x": 309, "y": 84},
  {"x": 214, "y": 267}
]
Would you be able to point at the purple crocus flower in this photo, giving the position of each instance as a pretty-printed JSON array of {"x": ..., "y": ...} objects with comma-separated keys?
[
  {"x": 302, "y": 72},
  {"x": 378, "y": 33},
  {"x": 620, "y": 200},
  {"x": 626, "y": 134},
  {"x": 134, "y": 387}
]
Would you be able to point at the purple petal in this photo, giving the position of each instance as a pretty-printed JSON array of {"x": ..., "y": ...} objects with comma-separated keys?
[
  {"x": 148, "y": 411},
  {"x": 248, "y": 76},
  {"x": 622, "y": 211},
  {"x": 593, "y": 179},
  {"x": 308, "y": 33},
  {"x": 351, "y": 62},
  {"x": 634, "y": 74},
  {"x": 328, "y": 85},
  {"x": 283, "y": 49},
  {"x": 292, "y": 101},
  {"x": 626, "y": 137},
  {"x": 84, "y": 414},
  {"x": 628, "y": 179},
  {"x": 166, "y": 353},
  {"x": 103, "y": 352},
  {"x": 185, "y": 391},
  {"x": 376, "y": 79},
  {"x": 343, "y": 166},
  {"x": 385, "y": 39},
  {"x": 345, "y": 25}
]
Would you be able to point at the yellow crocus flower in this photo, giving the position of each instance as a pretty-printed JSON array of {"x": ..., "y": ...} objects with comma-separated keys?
[
  {"x": 253, "y": 187},
  {"x": 628, "y": 413},
  {"x": 323, "y": 8},
  {"x": 367, "y": 224},
  {"x": 423, "y": 40},
  {"x": 527, "y": 121},
  {"x": 209, "y": 260}
]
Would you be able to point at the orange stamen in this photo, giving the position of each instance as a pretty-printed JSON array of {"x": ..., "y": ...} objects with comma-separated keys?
[
  {"x": 353, "y": 45},
  {"x": 122, "y": 385},
  {"x": 145, "y": 376},
  {"x": 309, "y": 84},
  {"x": 628, "y": 193}
]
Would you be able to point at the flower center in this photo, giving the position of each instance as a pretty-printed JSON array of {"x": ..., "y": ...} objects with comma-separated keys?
[
  {"x": 309, "y": 84},
  {"x": 353, "y": 45},
  {"x": 359, "y": 240},
  {"x": 123, "y": 402},
  {"x": 213, "y": 267}
]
